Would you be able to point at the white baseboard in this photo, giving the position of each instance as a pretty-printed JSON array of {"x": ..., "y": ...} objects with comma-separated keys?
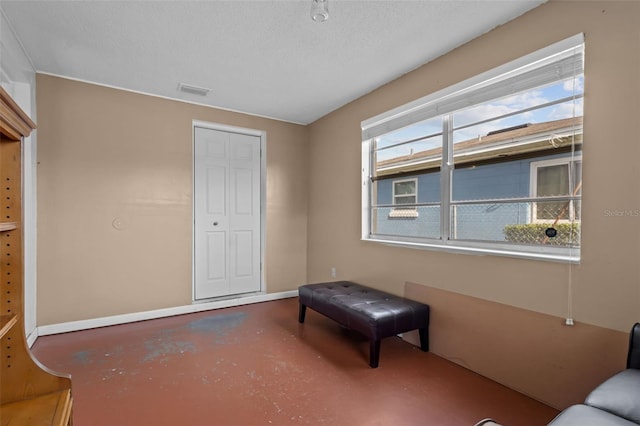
[
  {"x": 31, "y": 337},
  {"x": 66, "y": 327}
]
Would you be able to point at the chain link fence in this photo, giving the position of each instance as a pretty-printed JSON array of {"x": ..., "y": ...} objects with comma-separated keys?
[{"x": 551, "y": 223}]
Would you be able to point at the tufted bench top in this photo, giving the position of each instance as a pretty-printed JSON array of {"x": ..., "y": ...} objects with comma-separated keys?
[{"x": 373, "y": 313}]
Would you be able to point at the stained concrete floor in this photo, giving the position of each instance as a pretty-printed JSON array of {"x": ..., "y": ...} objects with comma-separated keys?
[{"x": 256, "y": 365}]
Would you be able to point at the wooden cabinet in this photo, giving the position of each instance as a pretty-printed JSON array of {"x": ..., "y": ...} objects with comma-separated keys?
[{"x": 30, "y": 394}]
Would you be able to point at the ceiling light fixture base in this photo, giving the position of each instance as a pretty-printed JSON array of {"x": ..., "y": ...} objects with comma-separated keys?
[{"x": 319, "y": 10}]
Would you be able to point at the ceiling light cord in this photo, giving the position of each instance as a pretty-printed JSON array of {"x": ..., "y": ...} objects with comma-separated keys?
[{"x": 319, "y": 10}]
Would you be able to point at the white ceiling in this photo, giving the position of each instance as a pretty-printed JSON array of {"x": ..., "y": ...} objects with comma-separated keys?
[{"x": 264, "y": 57}]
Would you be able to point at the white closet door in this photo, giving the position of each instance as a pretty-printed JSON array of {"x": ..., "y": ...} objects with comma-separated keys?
[{"x": 227, "y": 213}]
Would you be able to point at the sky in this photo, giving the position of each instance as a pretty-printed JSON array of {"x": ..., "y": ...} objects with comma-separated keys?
[{"x": 533, "y": 98}]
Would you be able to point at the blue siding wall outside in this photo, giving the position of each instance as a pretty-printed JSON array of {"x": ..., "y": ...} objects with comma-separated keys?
[{"x": 475, "y": 222}]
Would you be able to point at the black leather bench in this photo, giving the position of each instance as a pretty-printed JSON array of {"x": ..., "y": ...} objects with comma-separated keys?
[{"x": 373, "y": 313}]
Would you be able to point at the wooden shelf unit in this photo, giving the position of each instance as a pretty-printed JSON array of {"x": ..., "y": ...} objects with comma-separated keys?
[
  {"x": 6, "y": 323},
  {"x": 8, "y": 226},
  {"x": 30, "y": 394},
  {"x": 48, "y": 409}
]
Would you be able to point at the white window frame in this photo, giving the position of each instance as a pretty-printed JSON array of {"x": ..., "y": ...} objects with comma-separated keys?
[
  {"x": 401, "y": 210},
  {"x": 553, "y": 63},
  {"x": 533, "y": 183},
  {"x": 414, "y": 194}
]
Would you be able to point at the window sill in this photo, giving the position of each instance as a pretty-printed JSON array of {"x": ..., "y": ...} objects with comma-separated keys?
[{"x": 550, "y": 254}]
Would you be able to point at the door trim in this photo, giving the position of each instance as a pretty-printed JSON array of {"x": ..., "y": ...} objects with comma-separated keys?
[{"x": 263, "y": 201}]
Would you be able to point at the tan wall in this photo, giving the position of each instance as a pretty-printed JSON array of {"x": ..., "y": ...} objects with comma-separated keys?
[
  {"x": 606, "y": 284},
  {"x": 106, "y": 155},
  {"x": 531, "y": 352}
]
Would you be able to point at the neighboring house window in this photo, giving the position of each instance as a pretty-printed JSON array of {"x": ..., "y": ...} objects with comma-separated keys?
[
  {"x": 405, "y": 197},
  {"x": 552, "y": 179},
  {"x": 498, "y": 158}
]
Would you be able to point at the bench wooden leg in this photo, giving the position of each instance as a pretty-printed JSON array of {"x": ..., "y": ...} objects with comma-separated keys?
[
  {"x": 374, "y": 353},
  {"x": 301, "y": 312},
  {"x": 424, "y": 339}
]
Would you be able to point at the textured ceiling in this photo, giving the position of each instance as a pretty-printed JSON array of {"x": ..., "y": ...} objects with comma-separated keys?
[{"x": 266, "y": 57}]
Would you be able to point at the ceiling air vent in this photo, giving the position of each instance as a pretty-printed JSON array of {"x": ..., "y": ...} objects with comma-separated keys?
[{"x": 194, "y": 90}]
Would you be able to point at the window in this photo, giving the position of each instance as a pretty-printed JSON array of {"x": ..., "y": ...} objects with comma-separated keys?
[
  {"x": 404, "y": 192},
  {"x": 405, "y": 197},
  {"x": 556, "y": 178},
  {"x": 497, "y": 158}
]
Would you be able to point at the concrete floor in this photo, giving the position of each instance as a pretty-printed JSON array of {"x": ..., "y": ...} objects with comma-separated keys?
[{"x": 256, "y": 365}]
